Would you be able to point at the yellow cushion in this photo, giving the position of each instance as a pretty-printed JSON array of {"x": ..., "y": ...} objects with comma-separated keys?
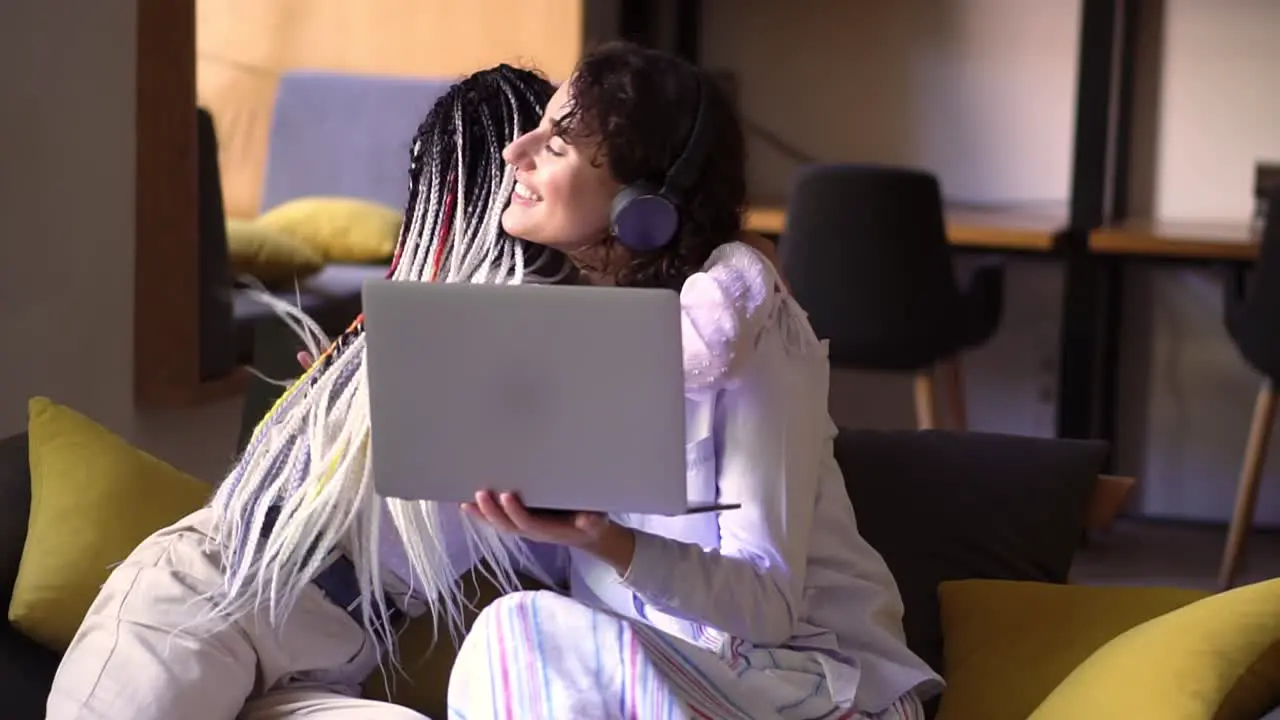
[
  {"x": 1215, "y": 659},
  {"x": 345, "y": 230},
  {"x": 422, "y": 683},
  {"x": 93, "y": 499},
  {"x": 1007, "y": 644},
  {"x": 271, "y": 256}
]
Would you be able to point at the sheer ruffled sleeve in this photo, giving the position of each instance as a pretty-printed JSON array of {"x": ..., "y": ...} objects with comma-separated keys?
[{"x": 724, "y": 310}]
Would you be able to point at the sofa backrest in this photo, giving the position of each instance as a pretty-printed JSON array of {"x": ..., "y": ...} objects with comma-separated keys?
[
  {"x": 345, "y": 134},
  {"x": 942, "y": 506},
  {"x": 937, "y": 506}
]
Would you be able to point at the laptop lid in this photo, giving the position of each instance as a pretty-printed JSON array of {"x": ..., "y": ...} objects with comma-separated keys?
[{"x": 571, "y": 396}]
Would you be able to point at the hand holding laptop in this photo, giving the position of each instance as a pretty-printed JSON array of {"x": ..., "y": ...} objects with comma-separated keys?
[
  {"x": 507, "y": 513},
  {"x": 590, "y": 531}
]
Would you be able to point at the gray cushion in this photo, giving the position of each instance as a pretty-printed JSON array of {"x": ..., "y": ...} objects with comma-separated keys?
[
  {"x": 942, "y": 506},
  {"x": 15, "y": 509},
  {"x": 331, "y": 297}
]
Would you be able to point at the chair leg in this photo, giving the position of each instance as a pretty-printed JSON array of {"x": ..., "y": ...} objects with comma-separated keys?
[
  {"x": 926, "y": 397},
  {"x": 953, "y": 376},
  {"x": 1255, "y": 456}
]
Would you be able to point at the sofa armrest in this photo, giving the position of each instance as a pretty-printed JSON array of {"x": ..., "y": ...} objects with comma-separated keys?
[{"x": 26, "y": 675}]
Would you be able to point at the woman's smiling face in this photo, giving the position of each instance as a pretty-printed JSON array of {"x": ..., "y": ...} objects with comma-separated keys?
[{"x": 564, "y": 191}]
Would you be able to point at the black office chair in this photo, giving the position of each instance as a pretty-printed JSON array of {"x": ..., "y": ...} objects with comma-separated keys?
[
  {"x": 1252, "y": 317},
  {"x": 866, "y": 253}
]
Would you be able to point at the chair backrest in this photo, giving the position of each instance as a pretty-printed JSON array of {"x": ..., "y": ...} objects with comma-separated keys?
[
  {"x": 866, "y": 253},
  {"x": 1265, "y": 287},
  {"x": 1253, "y": 317},
  {"x": 341, "y": 134}
]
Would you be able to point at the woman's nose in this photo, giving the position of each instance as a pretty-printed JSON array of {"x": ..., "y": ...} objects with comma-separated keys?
[{"x": 514, "y": 154}]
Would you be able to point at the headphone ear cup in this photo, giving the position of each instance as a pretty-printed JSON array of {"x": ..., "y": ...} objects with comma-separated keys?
[{"x": 642, "y": 219}]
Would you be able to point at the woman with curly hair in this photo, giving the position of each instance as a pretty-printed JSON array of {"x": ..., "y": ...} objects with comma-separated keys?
[
  {"x": 778, "y": 609},
  {"x": 278, "y": 599}
]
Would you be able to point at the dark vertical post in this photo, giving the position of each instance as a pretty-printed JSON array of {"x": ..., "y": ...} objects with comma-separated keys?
[
  {"x": 1093, "y": 285},
  {"x": 637, "y": 21},
  {"x": 688, "y": 31},
  {"x": 671, "y": 25}
]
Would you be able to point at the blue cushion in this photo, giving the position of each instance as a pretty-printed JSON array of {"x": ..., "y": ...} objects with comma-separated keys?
[{"x": 335, "y": 134}]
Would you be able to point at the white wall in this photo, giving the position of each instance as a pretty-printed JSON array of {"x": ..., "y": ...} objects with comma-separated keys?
[
  {"x": 1219, "y": 106},
  {"x": 67, "y": 147},
  {"x": 1190, "y": 396},
  {"x": 983, "y": 93},
  {"x": 987, "y": 105}
]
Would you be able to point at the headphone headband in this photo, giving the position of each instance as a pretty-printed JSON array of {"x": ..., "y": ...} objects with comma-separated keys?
[
  {"x": 684, "y": 171},
  {"x": 645, "y": 217}
]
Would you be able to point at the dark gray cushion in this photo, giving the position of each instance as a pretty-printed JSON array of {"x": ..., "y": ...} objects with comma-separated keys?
[
  {"x": 27, "y": 670},
  {"x": 942, "y": 506},
  {"x": 15, "y": 509},
  {"x": 217, "y": 351}
]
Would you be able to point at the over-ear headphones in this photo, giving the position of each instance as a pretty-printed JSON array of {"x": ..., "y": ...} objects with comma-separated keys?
[{"x": 645, "y": 217}]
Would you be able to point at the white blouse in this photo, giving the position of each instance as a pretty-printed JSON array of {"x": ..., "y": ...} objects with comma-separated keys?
[{"x": 789, "y": 567}]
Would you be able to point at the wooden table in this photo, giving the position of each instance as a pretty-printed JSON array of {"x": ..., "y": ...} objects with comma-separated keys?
[
  {"x": 1177, "y": 240},
  {"x": 994, "y": 228}
]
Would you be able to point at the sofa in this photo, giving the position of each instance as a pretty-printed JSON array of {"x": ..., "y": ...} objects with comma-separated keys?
[
  {"x": 978, "y": 529},
  {"x": 333, "y": 138}
]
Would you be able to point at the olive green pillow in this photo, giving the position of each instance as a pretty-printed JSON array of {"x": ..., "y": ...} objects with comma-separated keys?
[
  {"x": 339, "y": 229},
  {"x": 273, "y": 257}
]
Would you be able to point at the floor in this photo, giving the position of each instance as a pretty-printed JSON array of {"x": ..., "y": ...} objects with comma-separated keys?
[{"x": 1137, "y": 552}]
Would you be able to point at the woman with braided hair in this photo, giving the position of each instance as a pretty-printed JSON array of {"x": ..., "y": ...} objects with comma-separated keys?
[
  {"x": 259, "y": 605},
  {"x": 633, "y": 176}
]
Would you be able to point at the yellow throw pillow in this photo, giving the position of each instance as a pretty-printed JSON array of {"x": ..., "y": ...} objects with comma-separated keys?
[
  {"x": 422, "y": 683},
  {"x": 1215, "y": 659},
  {"x": 271, "y": 256},
  {"x": 93, "y": 499},
  {"x": 343, "y": 230},
  {"x": 1007, "y": 645}
]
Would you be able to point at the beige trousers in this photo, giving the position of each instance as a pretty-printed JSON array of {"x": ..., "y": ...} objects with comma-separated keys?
[{"x": 146, "y": 652}]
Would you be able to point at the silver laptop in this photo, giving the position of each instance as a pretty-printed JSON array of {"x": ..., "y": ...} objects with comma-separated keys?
[{"x": 571, "y": 396}]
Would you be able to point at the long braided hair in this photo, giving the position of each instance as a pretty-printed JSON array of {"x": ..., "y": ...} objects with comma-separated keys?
[{"x": 303, "y": 487}]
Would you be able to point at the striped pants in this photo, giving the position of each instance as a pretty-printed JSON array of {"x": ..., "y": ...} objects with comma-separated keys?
[{"x": 540, "y": 655}]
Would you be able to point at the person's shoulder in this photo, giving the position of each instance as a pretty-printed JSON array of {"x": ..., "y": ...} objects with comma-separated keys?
[{"x": 725, "y": 307}]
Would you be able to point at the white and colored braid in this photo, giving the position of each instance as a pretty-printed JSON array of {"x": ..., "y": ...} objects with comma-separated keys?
[{"x": 308, "y": 461}]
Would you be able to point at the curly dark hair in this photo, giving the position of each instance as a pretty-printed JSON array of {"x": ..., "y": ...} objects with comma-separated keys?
[{"x": 639, "y": 105}]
